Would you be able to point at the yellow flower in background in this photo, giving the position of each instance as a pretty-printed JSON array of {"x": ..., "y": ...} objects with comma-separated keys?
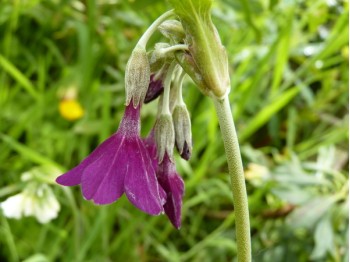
[{"x": 71, "y": 109}]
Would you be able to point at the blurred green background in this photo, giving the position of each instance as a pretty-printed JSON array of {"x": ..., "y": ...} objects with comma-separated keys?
[{"x": 289, "y": 74}]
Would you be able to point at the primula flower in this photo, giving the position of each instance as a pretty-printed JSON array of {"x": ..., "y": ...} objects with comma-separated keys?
[
  {"x": 151, "y": 147},
  {"x": 170, "y": 181},
  {"x": 121, "y": 164},
  {"x": 36, "y": 200},
  {"x": 155, "y": 88},
  {"x": 173, "y": 185}
]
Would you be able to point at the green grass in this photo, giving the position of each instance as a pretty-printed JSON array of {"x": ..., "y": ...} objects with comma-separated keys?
[{"x": 289, "y": 92}]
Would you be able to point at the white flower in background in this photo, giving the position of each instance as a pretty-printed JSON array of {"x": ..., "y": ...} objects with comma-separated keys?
[
  {"x": 37, "y": 199},
  {"x": 256, "y": 173},
  {"x": 12, "y": 207}
]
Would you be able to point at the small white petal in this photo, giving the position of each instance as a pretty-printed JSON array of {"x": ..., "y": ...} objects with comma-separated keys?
[
  {"x": 39, "y": 202},
  {"x": 47, "y": 207},
  {"x": 28, "y": 205},
  {"x": 12, "y": 206}
]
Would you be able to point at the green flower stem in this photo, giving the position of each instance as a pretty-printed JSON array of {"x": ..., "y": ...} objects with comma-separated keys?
[
  {"x": 154, "y": 26},
  {"x": 179, "y": 47},
  {"x": 235, "y": 168},
  {"x": 166, "y": 93},
  {"x": 178, "y": 84}
]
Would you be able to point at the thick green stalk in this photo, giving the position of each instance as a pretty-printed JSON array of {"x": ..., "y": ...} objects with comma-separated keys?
[{"x": 238, "y": 187}]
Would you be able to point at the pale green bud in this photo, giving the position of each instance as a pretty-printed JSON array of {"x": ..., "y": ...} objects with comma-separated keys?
[
  {"x": 182, "y": 127},
  {"x": 173, "y": 30},
  {"x": 158, "y": 58},
  {"x": 164, "y": 136},
  {"x": 137, "y": 76}
]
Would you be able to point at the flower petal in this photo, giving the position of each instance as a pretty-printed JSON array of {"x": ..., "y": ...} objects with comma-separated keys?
[
  {"x": 73, "y": 177},
  {"x": 140, "y": 185},
  {"x": 103, "y": 180},
  {"x": 12, "y": 207},
  {"x": 173, "y": 185},
  {"x": 173, "y": 205},
  {"x": 151, "y": 147}
]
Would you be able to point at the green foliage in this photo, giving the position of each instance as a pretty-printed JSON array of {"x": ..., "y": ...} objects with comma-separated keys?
[{"x": 288, "y": 62}]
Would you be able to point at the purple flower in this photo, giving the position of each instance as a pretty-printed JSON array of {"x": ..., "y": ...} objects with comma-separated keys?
[
  {"x": 121, "y": 164},
  {"x": 155, "y": 88},
  {"x": 173, "y": 185},
  {"x": 169, "y": 180},
  {"x": 151, "y": 147}
]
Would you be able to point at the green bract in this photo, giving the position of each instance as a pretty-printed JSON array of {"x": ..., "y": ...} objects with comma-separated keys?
[{"x": 206, "y": 55}]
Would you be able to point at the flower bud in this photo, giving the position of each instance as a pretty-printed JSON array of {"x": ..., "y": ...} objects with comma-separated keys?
[
  {"x": 155, "y": 88},
  {"x": 165, "y": 136},
  {"x": 158, "y": 58},
  {"x": 173, "y": 30},
  {"x": 186, "y": 151},
  {"x": 137, "y": 76},
  {"x": 182, "y": 127}
]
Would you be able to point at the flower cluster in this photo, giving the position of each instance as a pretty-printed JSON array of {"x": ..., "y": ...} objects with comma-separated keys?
[{"x": 144, "y": 168}]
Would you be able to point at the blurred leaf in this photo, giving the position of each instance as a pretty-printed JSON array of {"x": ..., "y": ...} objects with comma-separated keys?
[
  {"x": 309, "y": 214},
  {"x": 28, "y": 152},
  {"x": 18, "y": 76},
  {"x": 292, "y": 194},
  {"x": 267, "y": 112},
  {"x": 324, "y": 238},
  {"x": 36, "y": 258}
]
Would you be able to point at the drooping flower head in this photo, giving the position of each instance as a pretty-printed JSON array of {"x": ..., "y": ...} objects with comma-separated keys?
[
  {"x": 121, "y": 164},
  {"x": 143, "y": 169}
]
